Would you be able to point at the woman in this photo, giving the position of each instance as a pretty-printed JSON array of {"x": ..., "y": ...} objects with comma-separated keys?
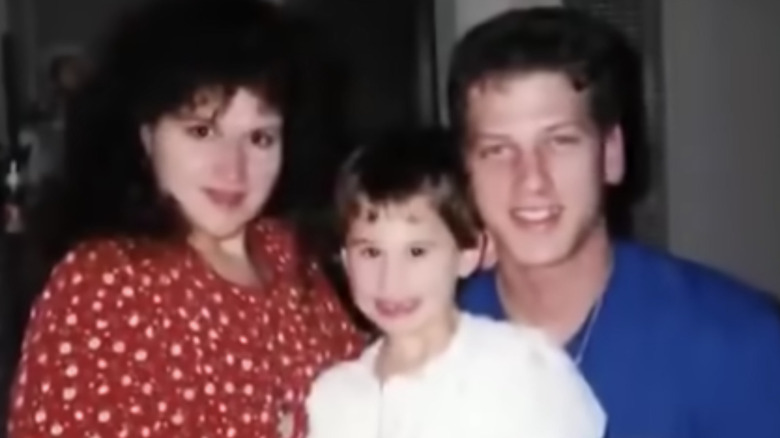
[{"x": 182, "y": 309}]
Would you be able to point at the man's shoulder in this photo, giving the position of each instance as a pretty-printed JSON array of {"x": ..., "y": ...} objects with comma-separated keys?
[
  {"x": 730, "y": 335},
  {"x": 670, "y": 283},
  {"x": 698, "y": 283},
  {"x": 712, "y": 300}
]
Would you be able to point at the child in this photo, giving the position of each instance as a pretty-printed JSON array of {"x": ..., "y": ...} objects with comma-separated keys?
[{"x": 409, "y": 235}]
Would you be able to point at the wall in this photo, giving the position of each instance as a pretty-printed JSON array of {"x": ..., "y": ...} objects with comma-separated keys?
[
  {"x": 470, "y": 12},
  {"x": 376, "y": 47},
  {"x": 455, "y": 17},
  {"x": 3, "y": 29},
  {"x": 45, "y": 24},
  {"x": 78, "y": 22},
  {"x": 722, "y": 64}
]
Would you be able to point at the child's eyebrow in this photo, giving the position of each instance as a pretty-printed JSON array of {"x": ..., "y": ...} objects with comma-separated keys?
[
  {"x": 355, "y": 241},
  {"x": 195, "y": 118}
]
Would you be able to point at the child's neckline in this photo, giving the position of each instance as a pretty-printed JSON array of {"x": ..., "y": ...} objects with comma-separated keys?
[{"x": 429, "y": 365}]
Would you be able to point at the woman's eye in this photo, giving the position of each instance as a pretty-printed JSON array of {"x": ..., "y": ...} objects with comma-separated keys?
[{"x": 264, "y": 139}]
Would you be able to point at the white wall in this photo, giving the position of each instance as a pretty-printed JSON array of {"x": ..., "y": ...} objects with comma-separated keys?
[
  {"x": 470, "y": 12},
  {"x": 455, "y": 17},
  {"x": 722, "y": 87}
]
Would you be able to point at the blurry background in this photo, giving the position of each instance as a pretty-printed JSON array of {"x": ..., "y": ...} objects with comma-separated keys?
[{"x": 709, "y": 81}]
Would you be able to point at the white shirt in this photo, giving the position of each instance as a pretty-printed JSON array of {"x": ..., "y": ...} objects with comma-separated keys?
[{"x": 494, "y": 380}]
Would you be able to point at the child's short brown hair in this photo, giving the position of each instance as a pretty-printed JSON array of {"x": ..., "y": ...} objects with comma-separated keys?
[{"x": 402, "y": 164}]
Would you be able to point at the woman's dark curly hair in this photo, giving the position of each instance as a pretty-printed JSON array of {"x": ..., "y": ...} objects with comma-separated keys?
[{"x": 154, "y": 62}]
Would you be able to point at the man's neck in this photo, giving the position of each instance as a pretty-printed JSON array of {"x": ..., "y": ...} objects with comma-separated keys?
[{"x": 559, "y": 297}]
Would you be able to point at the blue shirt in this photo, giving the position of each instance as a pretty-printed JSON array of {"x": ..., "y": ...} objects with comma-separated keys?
[{"x": 677, "y": 351}]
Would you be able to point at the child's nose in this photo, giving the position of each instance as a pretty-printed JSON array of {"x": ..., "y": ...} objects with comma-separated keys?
[{"x": 391, "y": 278}]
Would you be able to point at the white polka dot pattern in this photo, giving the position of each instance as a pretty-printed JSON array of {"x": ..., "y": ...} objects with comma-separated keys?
[{"x": 142, "y": 341}]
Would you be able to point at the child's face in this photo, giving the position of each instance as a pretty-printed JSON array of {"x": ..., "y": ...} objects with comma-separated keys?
[{"x": 403, "y": 265}]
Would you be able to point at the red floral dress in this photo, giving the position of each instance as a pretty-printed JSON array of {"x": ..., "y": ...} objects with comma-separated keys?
[{"x": 130, "y": 340}]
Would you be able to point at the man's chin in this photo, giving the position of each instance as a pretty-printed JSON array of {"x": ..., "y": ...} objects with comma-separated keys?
[{"x": 542, "y": 254}]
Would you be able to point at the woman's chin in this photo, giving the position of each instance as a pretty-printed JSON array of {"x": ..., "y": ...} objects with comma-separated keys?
[{"x": 220, "y": 231}]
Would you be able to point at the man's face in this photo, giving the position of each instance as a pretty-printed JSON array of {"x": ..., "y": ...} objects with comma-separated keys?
[{"x": 538, "y": 165}]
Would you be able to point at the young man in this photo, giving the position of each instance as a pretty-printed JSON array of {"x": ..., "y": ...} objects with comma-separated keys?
[
  {"x": 409, "y": 235},
  {"x": 672, "y": 349}
]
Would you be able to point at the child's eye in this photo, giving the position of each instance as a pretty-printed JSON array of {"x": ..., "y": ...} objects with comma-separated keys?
[
  {"x": 418, "y": 251},
  {"x": 369, "y": 252},
  {"x": 199, "y": 131}
]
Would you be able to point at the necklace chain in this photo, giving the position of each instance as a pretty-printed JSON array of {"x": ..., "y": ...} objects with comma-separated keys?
[
  {"x": 593, "y": 316},
  {"x": 590, "y": 323}
]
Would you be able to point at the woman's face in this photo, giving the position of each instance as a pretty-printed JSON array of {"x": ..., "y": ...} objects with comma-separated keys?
[{"x": 219, "y": 159}]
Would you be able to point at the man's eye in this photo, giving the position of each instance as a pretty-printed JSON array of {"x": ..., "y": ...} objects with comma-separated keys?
[
  {"x": 493, "y": 151},
  {"x": 418, "y": 251},
  {"x": 565, "y": 140}
]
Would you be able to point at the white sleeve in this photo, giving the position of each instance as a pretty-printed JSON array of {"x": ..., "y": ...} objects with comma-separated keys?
[
  {"x": 316, "y": 409},
  {"x": 336, "y": 404},
  {"x": 548, "y": 394}
]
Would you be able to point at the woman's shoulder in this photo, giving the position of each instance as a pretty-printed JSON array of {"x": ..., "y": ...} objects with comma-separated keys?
[
  {"x": 273, "y": 228},
  {"x": 92, "y": 276},
  {"x": 274, "y": 234},
  {"x": 134, "y": 253},
  {"x": 100, "y": 265},
  {"x": 279, "y": 242},
  {"x": 96, "y": 256},
  {"x": 114, "y": 253}
]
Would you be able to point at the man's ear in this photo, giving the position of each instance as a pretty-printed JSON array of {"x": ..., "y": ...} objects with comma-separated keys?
[
  {"x": 343, "y": 257},
  {"x": 614, "y": 164},
  {"x": 488, "y": 257},
  {"x": 471, "y": 258}
]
